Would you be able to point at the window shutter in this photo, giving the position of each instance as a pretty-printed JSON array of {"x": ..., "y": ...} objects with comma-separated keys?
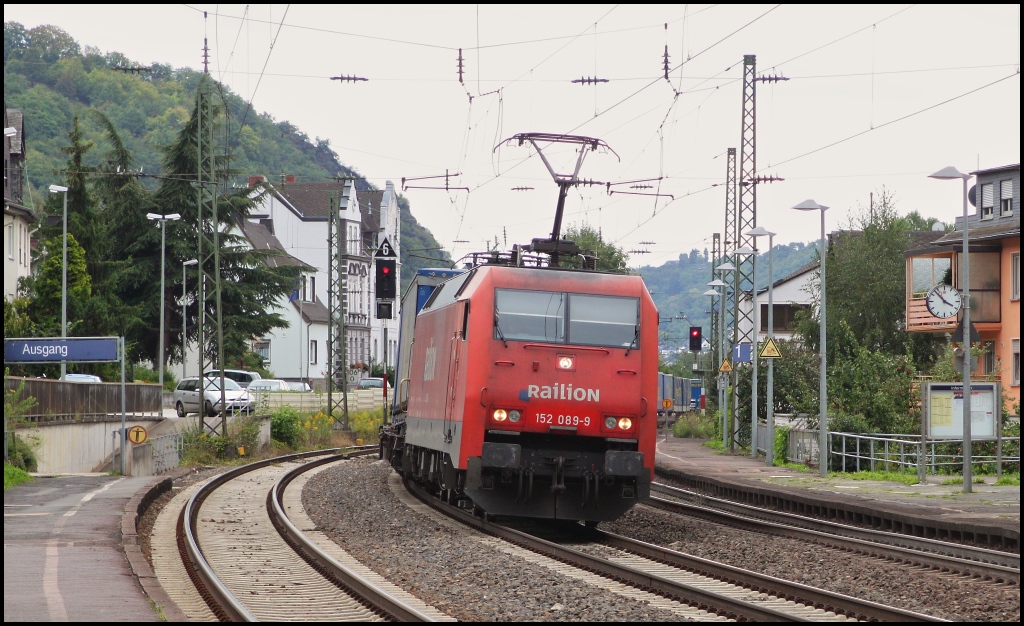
[
  {"x": 1006, "y": 190},
  {"x": 986, "y": 195}
]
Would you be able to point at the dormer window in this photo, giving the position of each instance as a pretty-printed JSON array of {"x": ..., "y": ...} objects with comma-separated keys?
[
  {"x": 1006, "y": 197},
  {"x": 986, "y": 201}
]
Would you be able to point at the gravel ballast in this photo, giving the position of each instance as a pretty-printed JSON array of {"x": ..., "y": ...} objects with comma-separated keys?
[{"x": 353, "y": 504}]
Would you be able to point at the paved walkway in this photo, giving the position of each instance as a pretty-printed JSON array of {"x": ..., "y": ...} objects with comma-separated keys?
[{"x": 63, "y": 553}]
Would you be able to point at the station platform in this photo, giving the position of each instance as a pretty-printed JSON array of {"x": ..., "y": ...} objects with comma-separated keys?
[{"x": 989, "y": 514}]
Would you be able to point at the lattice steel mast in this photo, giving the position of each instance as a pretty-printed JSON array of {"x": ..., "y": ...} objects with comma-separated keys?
[{"x": 337, "y": 287}]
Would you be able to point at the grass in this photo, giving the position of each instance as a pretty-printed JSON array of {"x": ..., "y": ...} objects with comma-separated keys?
[
  {"x": 796, "y": 467},
  {"x": 906, "y": 479},
  {"x": 14, "y": 476},
  {"x": 1009, "y": 480}
]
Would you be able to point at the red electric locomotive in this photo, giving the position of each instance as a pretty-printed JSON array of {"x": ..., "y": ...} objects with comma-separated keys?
[{"x": 531, "y": 392}]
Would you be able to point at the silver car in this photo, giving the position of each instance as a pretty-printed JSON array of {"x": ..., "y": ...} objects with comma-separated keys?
[{"x": 187, "y": 397}]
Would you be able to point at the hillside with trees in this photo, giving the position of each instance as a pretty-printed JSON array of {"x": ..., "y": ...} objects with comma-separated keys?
[{"x": 54, "y": 78}]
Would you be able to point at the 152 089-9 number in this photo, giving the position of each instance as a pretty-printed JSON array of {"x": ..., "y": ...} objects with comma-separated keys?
[{"x": 562, "y": 420}]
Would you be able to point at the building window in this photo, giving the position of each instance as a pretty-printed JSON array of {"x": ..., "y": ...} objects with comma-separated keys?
[
  {"x": 262, "y": 348},
  {"x": 990, "y": 358},
  {"x": 10, "y": 241},
  {"x": 1006, "y": 197},
  {"x": 986, "y": 201},
  {"x": 312, "y": 289},
  {"x": 1016, "y": 362},
  {"x": 312, "y": 352},
  {"x": 1015, "y": 286}
]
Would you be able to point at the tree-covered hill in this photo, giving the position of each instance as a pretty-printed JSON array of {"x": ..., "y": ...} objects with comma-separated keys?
[
  {"x": 678, "y": 287},
  {"x": 53, "y": 78}
]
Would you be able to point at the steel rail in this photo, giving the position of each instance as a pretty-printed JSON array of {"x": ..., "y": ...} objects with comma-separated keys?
[
  {"x": 220, "y": 599},
  {"x": 998, "y": 566},
  {"x": 684, "y": 593},
  {"x": 863, "y": 610},
  {"x": 324, "y": 563}
]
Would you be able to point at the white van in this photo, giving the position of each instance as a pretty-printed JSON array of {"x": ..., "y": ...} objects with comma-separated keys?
[{"x": 242, "y": 377}]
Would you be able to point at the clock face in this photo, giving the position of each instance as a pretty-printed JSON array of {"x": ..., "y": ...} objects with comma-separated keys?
[{"x": 943, "y": 301}]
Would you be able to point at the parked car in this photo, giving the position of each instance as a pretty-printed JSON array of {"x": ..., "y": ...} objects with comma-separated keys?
[
  {"x": 371, "y": 383},
  {"x": 187, "y": 398},
  {"x": 242, "y": 377},
  {"x": 269, "y": 384},
  {"x": 82, "y": 378},
  {"x": 299, "y": 386}
]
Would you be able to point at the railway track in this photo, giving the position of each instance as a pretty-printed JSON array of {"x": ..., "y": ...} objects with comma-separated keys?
[
  {"x": 715, "y": 590},
  {"x": 982, "y": 563},
  {"x": 251, "y": 562}
]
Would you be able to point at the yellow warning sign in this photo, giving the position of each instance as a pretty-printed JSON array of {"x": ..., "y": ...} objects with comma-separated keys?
[
  {"x": 770, "y": 350},
  {"x": 137, "y": 434},
  {"x": 666, "y": 403},
  {"x": 726, "y": 366}
]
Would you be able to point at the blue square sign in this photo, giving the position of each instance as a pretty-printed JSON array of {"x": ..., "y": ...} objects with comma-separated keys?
[{"x": 741, "y": 353}]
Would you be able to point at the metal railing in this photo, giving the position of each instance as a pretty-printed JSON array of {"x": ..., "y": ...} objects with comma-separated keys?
[{"x": 167, "y": 452}]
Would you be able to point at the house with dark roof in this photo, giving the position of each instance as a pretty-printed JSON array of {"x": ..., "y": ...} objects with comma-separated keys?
[
  {"x": 19, "y": 220},
  {"x": 296, "y": 215},
  {"x": 993, "y": 247}
]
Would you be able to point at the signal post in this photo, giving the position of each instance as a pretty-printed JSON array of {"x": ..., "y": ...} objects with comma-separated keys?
[{"x": 386, "y": 290}]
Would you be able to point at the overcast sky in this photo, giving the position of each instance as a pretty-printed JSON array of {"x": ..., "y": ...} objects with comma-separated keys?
[{"x": 878, "y": 96}]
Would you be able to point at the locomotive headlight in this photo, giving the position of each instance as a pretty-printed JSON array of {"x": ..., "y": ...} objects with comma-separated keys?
[
  {"x": 500, "y": 415},
  {"x": 610, "y": 422},
  {"x": 566, "y": 362},
  {"x": 625, "y": 423},
  {"x": 514, "y": 416}
]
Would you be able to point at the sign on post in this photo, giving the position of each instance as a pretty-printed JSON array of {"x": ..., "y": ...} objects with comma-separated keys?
[
  {"x": 56, "y": 349},
  {"x": 741, "y": 353},
  {"x": 944, "y": 410},
  {"x": 137, "y": 435}
]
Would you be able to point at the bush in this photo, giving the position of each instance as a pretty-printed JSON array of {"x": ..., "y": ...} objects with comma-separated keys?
[
  {"x": 366, "y": 425},
  {"x": 286, "y": 426},
  {"x": 695, "y": 426},
  {"x": 780, "y": 447},
  {"x": 21, "y": 453},
  {"x": 15, "y": 476}
]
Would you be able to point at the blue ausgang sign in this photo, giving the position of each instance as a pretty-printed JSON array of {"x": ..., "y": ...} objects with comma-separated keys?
[{"x": 55, "y": 350}]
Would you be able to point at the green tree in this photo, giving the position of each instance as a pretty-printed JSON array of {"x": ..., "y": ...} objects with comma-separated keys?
[
  {"x": 251, "y": 280},
  {"x": 866, "y": 281},
  {"x": 610, "y": 258}
]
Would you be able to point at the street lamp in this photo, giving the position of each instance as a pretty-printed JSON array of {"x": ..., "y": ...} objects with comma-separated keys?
[
  {"x": 753, "y": 347},
  {"x": 161, "y": 221},
  {"x": 811, "y": 205},
  {"x": 770, "y": 398},
  {"x": 64, "y": 278},
  {"x": 184, "y": 312},
  {"x": 951, "y": 173},
  {"x": 724, "y": 269}
]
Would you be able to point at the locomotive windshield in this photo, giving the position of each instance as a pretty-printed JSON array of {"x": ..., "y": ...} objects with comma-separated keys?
[{"x": 570, "y": 318}]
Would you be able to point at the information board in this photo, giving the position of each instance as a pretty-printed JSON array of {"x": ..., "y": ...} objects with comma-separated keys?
[{"x": 944, "y": 410}]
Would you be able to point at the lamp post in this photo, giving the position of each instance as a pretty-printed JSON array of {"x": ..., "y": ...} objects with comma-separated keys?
[
  {"x": 161, "y": 221},
  {"x": 64, "y": 278},
  {"x": 724, "y": 269},
  {"x": 951, "y": 173},
  {"x": 184, "y": 312},
  {"x": 753, "y": 347},
  {"x": 770, "y": 396},
  {"x": 811, "y": 205}
]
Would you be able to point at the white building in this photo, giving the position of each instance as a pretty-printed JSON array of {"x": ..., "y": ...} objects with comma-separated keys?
[
  {"x": 296, "y": 215},
  {"x": 19, "y": 220},
  {"x": 789, "y": 295}
]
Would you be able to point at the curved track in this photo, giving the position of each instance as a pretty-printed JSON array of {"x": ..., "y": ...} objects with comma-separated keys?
[{"x": 251, "y": 563}]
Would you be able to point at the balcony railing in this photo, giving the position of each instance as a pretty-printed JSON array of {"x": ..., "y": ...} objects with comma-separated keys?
[{"x": 920, "y": 320}]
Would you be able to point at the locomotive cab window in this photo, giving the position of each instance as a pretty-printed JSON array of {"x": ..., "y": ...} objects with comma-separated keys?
[
  {"x": 570, "y": 318},
  {"x": 604, "y": 320},
  {"x": 529, "y": 315}
]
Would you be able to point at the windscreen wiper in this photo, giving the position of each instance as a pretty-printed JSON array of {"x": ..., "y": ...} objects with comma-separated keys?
[
  {"x": 636, "y": 338},
  {"x": 497, "y": 327}
]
